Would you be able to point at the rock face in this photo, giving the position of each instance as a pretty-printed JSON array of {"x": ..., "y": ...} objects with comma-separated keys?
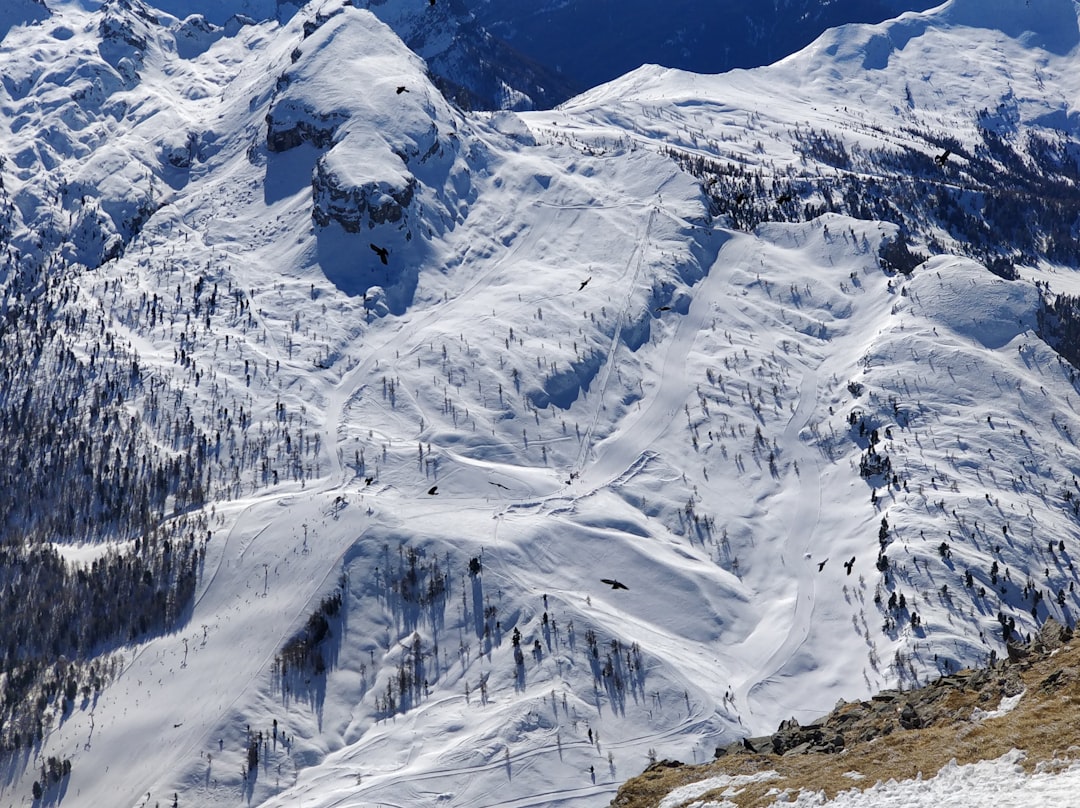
[
  {"x": 290, "y": 123},
  {"x": 359, "y": 206}
]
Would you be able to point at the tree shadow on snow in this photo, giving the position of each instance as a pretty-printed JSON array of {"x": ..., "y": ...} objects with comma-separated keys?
[{"x": 309, "y": 656}]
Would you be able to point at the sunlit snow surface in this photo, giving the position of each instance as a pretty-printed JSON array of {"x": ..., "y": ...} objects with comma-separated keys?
[
  {"x": 601, "y": 380},
  {"x": 1000, "y": 782}
]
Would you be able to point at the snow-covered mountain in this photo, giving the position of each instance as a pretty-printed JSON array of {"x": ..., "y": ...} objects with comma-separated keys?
[
  {"x": 593, "y": 41},
  {"x": 328, "y": 408}
]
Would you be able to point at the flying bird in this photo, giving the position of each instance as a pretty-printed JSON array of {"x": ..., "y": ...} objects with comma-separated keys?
[
  {"x": 663, "y": 308},
  {"x": 849, "y": 564},
  {"x": 500, "y": 485},
  {"x": 382, "y": 252},
  {"x": 821, "y": 565},
  {"x": 433, "y": 490},
  {"x": 402, "y": 89},
  {"x": 584, "y": 283},
  {"x": 368, "y": 480},
  {"x": 613, "y": 583},
  {"x": 942, "y": 158}
]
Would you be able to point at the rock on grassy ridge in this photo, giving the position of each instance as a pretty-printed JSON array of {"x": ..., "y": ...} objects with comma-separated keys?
[{"x": 1027, "y": 702}]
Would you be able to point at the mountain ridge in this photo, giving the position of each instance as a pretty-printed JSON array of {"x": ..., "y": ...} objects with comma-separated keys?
[{"x": 375, "y": 392}]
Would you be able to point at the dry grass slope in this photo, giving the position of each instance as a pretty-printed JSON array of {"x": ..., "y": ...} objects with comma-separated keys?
[{"x": 1045, "y": 724}]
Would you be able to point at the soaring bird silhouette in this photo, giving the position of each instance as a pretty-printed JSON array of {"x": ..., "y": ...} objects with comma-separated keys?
[
  {"x": 433, "y": 490},
  {"x": 402, "y": 89},
  {"x": 368, "y": 481},
  {"x": 821, "y": 565},
  {"x": 849, "y": 564},
  {"x": 382, "y": 252},
  {"x": 498, "y": 485},
  {"x": 613, "y": 583},
  {"x": 942, "y": 158},
  {"x": 663, "y": 308},
  {"x": 584, "y": 283}
]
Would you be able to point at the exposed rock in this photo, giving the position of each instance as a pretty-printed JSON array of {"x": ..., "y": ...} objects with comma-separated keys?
[
  {"x": 1059, "y": 679},
  {"x": 1052, "y": 635},
  {"x": 194, "y": 35},
  {"x": 657, "y": 768},
  {"x": 124, "y": 29},
  {"x": 356, "y": 206},
  {"x": 937, "y": 703},
  {"x": 1017, "y": 650},
  {"x": 909, "y": 717},
  {"x": 289, "y": 123},
  {"x": 179, "y": 149}
]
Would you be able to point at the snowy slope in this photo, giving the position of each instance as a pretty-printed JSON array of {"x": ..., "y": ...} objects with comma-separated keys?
[{"x": 566, "y": 369}]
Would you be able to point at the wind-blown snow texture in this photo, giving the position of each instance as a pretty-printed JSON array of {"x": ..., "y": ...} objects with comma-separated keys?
[{"x": 566, "y": 369}]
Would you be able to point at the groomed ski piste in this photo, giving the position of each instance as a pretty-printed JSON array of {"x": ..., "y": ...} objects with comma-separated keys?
[{"x": 566, "y": 370}]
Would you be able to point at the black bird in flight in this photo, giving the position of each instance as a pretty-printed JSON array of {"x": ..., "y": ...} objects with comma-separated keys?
[
  {"x": 500, "y": 485},
  {"x": 382, "y": 252},
  {"x": 584, "y": 283},
  {"x": 613, "y": 583},
  {"x": 402, "y": 89},
  {"x": 821, "y": 565},
  {"x": 368, "y": 480},
  {"x": 849, "y": 564},
  {"x": 663, "y": 308},
  {"x": 942, "y": 158},
  {"x": 433, "y": 490}
]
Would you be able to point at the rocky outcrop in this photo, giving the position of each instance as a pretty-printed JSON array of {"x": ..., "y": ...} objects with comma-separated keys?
[
  {"x": 179, "y": 149},
  {"x": 896, "y": 711},
  {"x": 194, "y": 36},
  {"x": 359, "y": 206},
  {"x": 288, "y": 124},
  {"x": 124, "y": 29}
]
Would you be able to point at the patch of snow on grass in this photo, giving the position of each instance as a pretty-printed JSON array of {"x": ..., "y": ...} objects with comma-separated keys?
[
  {"x": 1007, "y": 705},
  {"x": 1001, "y": 783},
  {"x": 680, "y": 795}
]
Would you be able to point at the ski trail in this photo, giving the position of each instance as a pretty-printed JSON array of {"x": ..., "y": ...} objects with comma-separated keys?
[
  {"x": 642, "y": 430},
  {"x": 609, "y": 363},
  {"x": 394, "y": 782}
]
